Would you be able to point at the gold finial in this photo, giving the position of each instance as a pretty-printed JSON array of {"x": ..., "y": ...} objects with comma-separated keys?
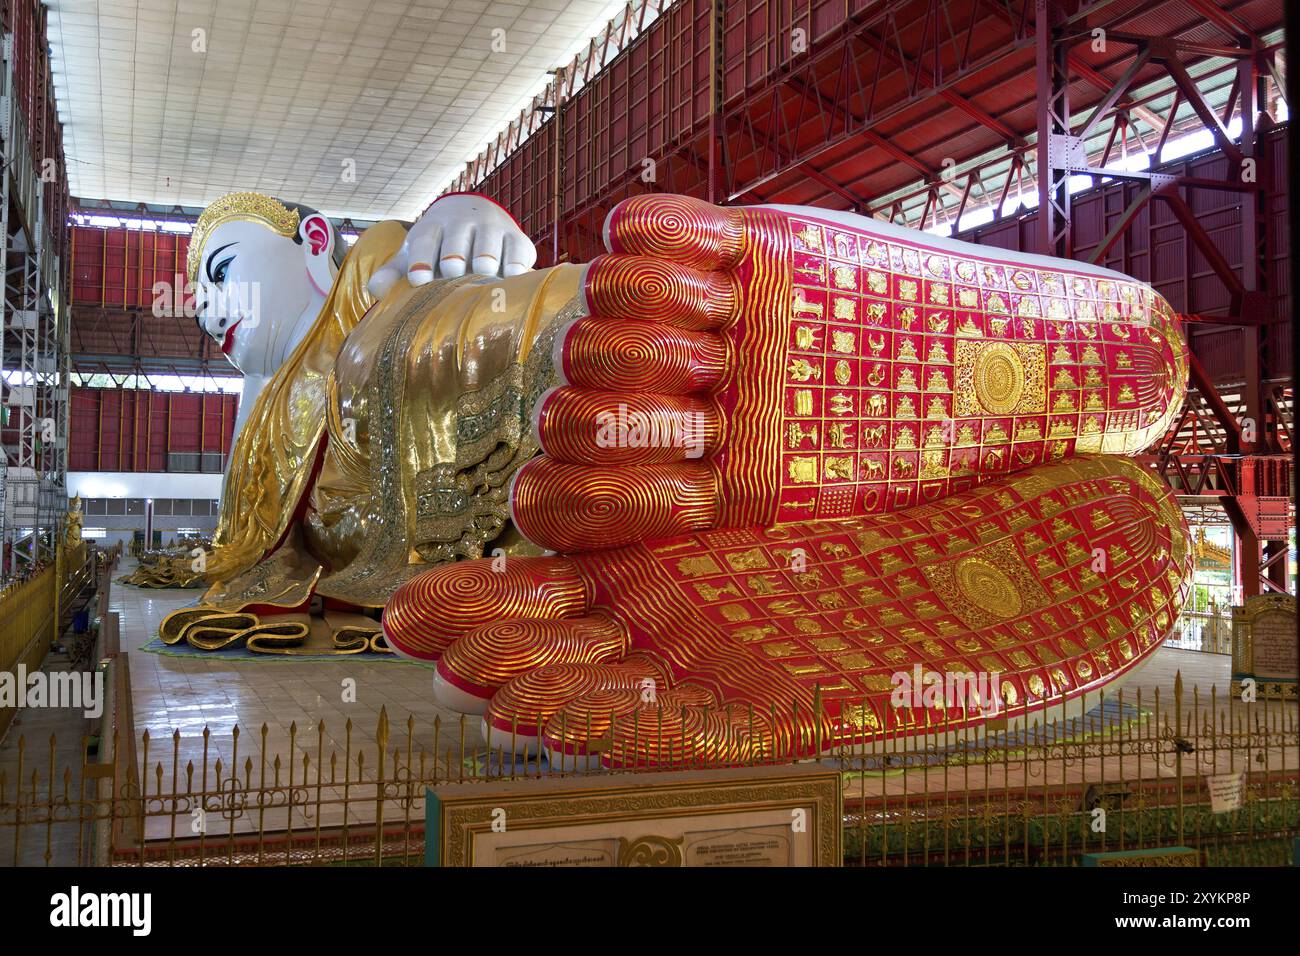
[{"x": 238, "y": 207}]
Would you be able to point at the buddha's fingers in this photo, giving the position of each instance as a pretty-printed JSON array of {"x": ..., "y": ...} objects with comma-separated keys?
[
  {"x": 430, "y": 611},
  {"x": 385, "y": 278},
  {"x": 660, "y": 290},
  {"x": 677, "y": 228},
  {"x": 518, "y": 255},
  {"x": 476, "y": 665},
  {"x": 568, "y": 507},
  {"x": 455, "y": 249},
  {"x": 583, "y": 426},
  {"x": 421, "y": 251}
]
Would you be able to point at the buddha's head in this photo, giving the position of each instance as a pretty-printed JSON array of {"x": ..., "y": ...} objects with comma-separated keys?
[{"x": 257, "y": 264}]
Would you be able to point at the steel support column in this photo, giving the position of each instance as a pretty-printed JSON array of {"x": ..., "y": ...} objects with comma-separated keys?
[
  {"x": 1054, "y": 139},
  {"x": 33, "y": 349}
]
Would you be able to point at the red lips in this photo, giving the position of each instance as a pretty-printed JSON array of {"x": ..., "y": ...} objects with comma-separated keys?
[{"x": 229, "y": 342}]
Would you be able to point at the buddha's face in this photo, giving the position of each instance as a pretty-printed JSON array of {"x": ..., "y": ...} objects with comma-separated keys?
[{"x": 253, "y": 285}]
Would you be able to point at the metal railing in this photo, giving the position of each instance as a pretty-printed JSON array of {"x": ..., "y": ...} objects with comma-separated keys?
[
  {"x": 26, "y": 625},
  {"x": 1133, "y": 772},
  {"x": 1207, "y": 631},
  {"x": 33, "y": 612}
]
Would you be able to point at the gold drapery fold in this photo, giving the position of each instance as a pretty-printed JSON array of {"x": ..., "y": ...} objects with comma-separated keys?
[
  {"x": 276, "y": 450},
  {"x": 440, "y": 395},
  {"x": 412, "y": 423},
  {"x": 285, "y": 635},
  {"x": 284, "y": 579}
]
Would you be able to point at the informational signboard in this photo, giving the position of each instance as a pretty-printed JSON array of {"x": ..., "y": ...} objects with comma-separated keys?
[
  {"x": 1264, "y": 646},
  {"x": 1226, "y": 791},
  {"x": 753, "y": 816}
]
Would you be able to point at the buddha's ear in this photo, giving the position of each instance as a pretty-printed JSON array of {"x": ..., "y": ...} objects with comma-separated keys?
[{"x": 318, "y": 251}]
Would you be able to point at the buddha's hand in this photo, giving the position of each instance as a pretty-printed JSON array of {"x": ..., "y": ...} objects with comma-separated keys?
[
  {"x": 459, "y": 233},
  {"x": 723, "y": 645},
  {"x": 746, "y": 366}
]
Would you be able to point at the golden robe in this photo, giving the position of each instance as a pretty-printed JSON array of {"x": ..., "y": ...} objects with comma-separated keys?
[{"x": 387, "y": 441}]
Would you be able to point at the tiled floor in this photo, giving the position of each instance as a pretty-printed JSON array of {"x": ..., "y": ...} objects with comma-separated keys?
[{"x": 190, "y": 695}]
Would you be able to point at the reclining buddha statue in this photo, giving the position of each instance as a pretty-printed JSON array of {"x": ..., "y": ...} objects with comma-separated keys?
[
  {"x": 275, "y": 289},
  {"x": 713, "y": 491}
]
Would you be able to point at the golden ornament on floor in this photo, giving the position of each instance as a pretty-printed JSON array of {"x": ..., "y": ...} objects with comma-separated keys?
[{"x": 209, "y": 629}]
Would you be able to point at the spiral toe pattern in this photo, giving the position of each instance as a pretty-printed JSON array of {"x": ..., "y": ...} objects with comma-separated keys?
[
  {"x": 616, "y": 428},
  {"x": 631, "y": 287},
  {"x": 430, "y": 611},
  {"x": 574, "y": 507},
  {"x": 493, "y": 654},
  {"x": 523, "y": 706},
  {"x": 677, "y": 227},
  {"x": 641, "y": 356}
]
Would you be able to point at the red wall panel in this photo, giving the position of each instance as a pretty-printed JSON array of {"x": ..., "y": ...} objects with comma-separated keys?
[
  {"x": 133, "y": 429},
  {"x": 648, "y": 100},
  {"x": 119, "y": 267},
  {"x": 652, "y": 102},
  {"x": 1155, "y": 248}
]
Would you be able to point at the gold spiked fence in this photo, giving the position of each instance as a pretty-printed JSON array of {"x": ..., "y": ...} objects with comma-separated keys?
[
  {"x": 1207, "y": 631},
  {"x": 26, "y": 626},
  {"x": 31, "y": 610},
  {"x": 1134, "y": 772}
]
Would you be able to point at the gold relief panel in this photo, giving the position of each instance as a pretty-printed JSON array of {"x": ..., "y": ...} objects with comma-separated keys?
[
  {"x": 751, "y": 560},
  {"x": 1000, "y": 378},
  {"x": 987, "y": 587}
]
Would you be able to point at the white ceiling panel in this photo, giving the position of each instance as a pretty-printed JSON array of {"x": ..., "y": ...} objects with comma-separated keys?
[{"x": 181, "y": 101}]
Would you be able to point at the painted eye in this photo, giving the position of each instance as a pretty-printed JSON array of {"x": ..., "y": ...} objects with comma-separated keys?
[{"x": 219, "y": 274}]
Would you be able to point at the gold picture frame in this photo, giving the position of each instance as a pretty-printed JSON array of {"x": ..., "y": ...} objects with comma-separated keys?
[
  {"x": 1246, "y": 622},
  {"x": 727, "y": 817}
]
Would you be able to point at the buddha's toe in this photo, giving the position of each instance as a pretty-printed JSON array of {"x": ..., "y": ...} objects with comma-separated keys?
[
  {"x": 683, "y": 726},
  {"x": 520, "y": 710},
  {"x": 429, "y": 612},
  {"x": 476, "y": 665}
]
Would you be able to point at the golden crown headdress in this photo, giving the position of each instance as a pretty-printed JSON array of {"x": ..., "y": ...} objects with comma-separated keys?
[{"x": 238, "y": 207}]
